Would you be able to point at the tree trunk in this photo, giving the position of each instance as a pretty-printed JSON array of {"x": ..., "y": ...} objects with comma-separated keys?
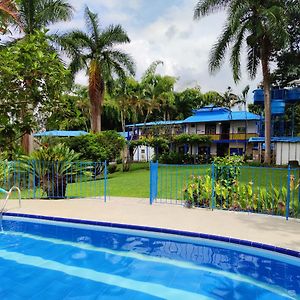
[
  {"x": 96, "y": 117},
  {"x": 267, "y": 104},
  {"x": 26, "y": 143},
  {"x": 96, "y": 94}
]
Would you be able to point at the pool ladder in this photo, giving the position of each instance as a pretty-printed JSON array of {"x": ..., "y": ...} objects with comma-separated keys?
[{"x": 8, "y": 193}]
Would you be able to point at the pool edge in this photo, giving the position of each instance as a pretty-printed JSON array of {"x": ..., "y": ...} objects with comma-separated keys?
[{"x": 230, "y": 240}]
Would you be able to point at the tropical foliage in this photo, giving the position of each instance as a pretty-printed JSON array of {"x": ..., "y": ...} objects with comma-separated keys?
[
  {"x": 30, "y": 85},
  {"x": 51, "y": 167},
  {"x": 103, "y": 146},
  {"x": 8, "y": 14},
  {"x": 39, "y": 14},
  {"x": 262, "y": 26},
  {"x": 96, "y": 53}
]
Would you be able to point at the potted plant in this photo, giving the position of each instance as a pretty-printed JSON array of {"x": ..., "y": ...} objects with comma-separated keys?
[{"x": 51, "y": 167}]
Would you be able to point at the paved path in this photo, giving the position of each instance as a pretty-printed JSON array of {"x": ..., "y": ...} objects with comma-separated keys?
[{"x": 259, "y": 228}]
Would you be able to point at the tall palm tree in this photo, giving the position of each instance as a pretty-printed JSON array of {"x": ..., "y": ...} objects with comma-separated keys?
[
  {"x": 37, "y": 14},
  {"x": 262, "y": 26},
  {"x": 96, "y": 53}
]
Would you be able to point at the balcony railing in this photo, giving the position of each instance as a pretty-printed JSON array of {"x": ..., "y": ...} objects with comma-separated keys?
[{"x": 232, "y": 136}]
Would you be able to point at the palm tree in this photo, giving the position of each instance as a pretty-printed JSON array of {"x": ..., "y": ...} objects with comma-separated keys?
[
  {"x": 96, "y": 53},
  {"x": 38, "y": 14},
  {"x": 262, "y": 26}
]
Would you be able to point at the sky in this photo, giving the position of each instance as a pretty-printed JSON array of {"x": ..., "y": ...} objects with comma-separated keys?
[{"x": 165, "y": 30}]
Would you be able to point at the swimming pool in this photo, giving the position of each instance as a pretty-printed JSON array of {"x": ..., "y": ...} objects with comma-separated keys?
[{"x": 55, "y": 260}]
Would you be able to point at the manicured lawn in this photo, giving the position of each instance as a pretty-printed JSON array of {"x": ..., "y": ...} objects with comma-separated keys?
[
  {"x": 127, "y": 184},
  {"x": 171, "y": 181}
]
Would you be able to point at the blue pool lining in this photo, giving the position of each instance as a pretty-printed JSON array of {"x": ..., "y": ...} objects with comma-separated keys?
[{"x": 212, "y": 237}]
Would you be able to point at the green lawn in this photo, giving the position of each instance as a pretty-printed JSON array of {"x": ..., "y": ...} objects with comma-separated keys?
[
  {"x": 171, "y": 181},
  {"x": 127, "y": 184}
]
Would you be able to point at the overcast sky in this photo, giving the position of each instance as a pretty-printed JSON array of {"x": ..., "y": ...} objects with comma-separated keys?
[{"x": 165, "y": 30}]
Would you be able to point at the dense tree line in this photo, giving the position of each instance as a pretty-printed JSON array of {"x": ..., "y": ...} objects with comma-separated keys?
[{"x": 38, "y": 91}]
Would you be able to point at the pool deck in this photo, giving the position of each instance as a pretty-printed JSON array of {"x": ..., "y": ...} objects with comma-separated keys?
[{"x": 270, "y": 230}]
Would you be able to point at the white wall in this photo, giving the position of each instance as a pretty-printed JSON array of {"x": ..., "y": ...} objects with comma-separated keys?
[
  {"x": 251, "y": 126},
  {"x": 200, "y": 128},
  {"x": 286, "y": 152},
  {"x": 143, "y": 153},
  {"x": 213, "y": 149}
]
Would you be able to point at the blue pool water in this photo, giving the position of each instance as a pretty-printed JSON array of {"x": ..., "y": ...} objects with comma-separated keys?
[{"x": 55, "y": 260}]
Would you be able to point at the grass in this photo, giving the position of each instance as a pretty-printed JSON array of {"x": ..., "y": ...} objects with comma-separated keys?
[
  {"x": 171, "y": 181},
  {"x": 127, "y": 184}
]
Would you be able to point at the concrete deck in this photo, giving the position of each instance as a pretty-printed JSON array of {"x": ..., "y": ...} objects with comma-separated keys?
[{"x": 258, "y": 228}]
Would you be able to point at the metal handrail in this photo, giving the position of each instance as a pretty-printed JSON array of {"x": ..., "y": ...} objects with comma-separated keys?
[{"x": 8, "y": 193}]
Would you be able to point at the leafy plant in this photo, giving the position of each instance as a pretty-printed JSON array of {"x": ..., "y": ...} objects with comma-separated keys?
[
  {"x": 6, "y": 170},
  {"x": 51, "y": 167},
  {"x": 102, "y": 146},
  {"x": 227, "y": 169}
]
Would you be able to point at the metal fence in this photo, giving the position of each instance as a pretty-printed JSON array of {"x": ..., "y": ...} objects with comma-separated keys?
[
  {"x": 240, "y": 188},
  {"x": 55, "y": 180}
]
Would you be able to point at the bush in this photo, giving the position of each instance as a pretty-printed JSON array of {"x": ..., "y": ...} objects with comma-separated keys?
[
  {"x": 112, "y": 168},
  {"x": 50, "y": 167},
  {"x": 102, "y": 146},
  {"x": 174, "y": 157},
  {"x": 240, "y": 197},
  {"x": 227, "y": 169}
]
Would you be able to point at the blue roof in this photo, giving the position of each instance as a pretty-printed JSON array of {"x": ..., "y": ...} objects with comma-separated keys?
[
  {"x": 61, "y": 133},
  {"x": 208, "y": 114},
  {"x": 156, "y": 123},
  {"x": 219, "y": 114},
  {"x": 286, "y": 139}
]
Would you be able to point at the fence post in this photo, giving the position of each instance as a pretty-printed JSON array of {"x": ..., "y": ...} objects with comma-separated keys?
[
  {"x": 153, "y": 181},
  {"x": 212, "y": 186},
  {"x": 105, "y": 180},
  {"x": 287, "y": 208}
]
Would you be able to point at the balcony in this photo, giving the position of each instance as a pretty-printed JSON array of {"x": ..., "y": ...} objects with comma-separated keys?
[{"x": 232, "y": 136}]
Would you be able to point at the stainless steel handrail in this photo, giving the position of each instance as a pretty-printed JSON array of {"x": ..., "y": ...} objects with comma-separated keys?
[{"x": 8, "y": 193}]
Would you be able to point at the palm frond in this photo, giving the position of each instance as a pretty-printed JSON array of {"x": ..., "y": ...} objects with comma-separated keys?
[
  {"x": 78, "y": 39},
  {"x": 36, "y": 14},
  {"x": 252, "y": 61},
  {"x": 93, "y": 25},
  {"x": 219, "y": 49},
  {"x": 52, "y": 11},
  {"x": 113, "y": 34},
  {"x": 152, "y": 69},
  {"x": 124, "y": 59},
  {"x": 206, "y": 7},
  {"x": 236, "y": 54}
]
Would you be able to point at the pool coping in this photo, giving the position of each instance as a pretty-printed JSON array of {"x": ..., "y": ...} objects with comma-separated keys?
[{"x": 162, "y": 230}]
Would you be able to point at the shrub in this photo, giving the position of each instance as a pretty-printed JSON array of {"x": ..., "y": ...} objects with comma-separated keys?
[
  {"x": 112, "y": 168},
  {"x": 50, "y": 168},
  {"x": 174, "y": 157},
  {"x": 102, "y": 146},
  {"x": 198, "y": 191},
  {"x": 227, "y": 169}
]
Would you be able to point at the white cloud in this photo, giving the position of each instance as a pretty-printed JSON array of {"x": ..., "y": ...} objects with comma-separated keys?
[{"x": 173, "y": 37}]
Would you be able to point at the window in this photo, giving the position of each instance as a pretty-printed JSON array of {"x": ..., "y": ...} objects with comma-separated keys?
[
  {"x": 241, "y": 130},
  {"x": 193, "y": 125},
  {"x": 210, "y": 129},
  {"x": 143, "y": 151}
]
